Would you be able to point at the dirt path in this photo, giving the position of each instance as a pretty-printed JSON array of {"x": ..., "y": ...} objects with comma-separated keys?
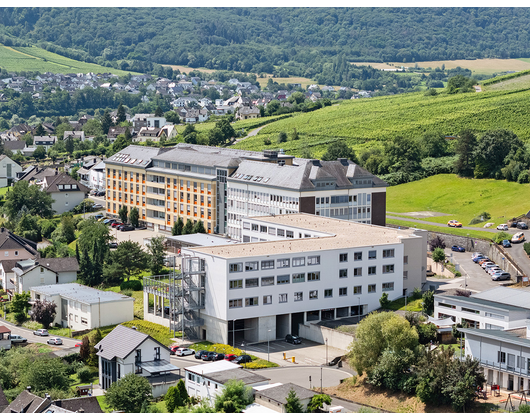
[{"x": 251, "y": 134}]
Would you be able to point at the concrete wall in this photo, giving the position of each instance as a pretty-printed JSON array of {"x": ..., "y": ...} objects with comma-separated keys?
[
  {"x": 439, "y": 269},
  {"x": 319, "y": 334}
]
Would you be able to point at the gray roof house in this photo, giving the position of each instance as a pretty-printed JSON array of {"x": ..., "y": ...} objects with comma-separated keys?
[
  {"x": 65, "y": 191},
  {"x": 26, "y": 402},
  {"x": 126, "y": 350},
  {"x": 275, "y": 397},
  {"x": 43, "y": 271}
]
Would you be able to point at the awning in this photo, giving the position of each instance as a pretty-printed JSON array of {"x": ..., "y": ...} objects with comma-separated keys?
[{"x": 157, "y": 366}]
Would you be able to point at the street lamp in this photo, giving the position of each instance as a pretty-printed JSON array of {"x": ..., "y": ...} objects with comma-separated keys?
[
  {"x": 321, "y": 379},
  {"x": 359, "y": 310},
  {"x": 234, "y": 333},
  {"x": 326, "y": 351},
  {"x": 268, "y": 340}
]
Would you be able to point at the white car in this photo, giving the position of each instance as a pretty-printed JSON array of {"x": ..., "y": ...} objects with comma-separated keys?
[
  {"x": 488, "y": 265},
  {"x": 184, "y": 352},
  {"x": 42, "y": 332},
  {"x": 56, "y": 341},
  {"x": 493, "y": 268},
  {"x": 18, "y": 339},
  {"x": 488, "y": 225},
  {"x": 502, "y": 227}
]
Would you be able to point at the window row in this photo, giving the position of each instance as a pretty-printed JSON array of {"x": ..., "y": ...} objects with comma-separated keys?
[
  {"x": 357, "y": 272},
  {"x": 269, "y": 264},
  {"x": 372, "y": 255},
  {"x": 269, "y": 281},
  {"x": 299, "y": 296}
]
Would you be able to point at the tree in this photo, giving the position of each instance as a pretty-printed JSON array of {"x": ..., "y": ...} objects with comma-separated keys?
[
  {"x": 234, "y": 397},
  {"x": 177, "y": 227},
  {"x": 28, "y": 139},
  {"x": 44, "y": 374},
  {"x": 61, "y": 128},
  {"x": 123, "y": 212},
  {"x": 94, "y": 339},
  {"x": 434, "y": 145},
  {"x": 493, "y": 149},
  {"x": 84, "y": 349},
  {"x": 199, "y": 227},
  {"x": 460, "y": 84},
  {"x": 93, "y": 128},
  {"x": 438, "y": 255},
  {"x": 69, "y": 145},
  {"x": 293, "y": 404},
  {"x": 93, "y": 243},
  {"x": 295, "y": 135},
  {"x": 339, "y": 149},
  {"x": 383, "y": 300},
  {"x": 120, "y": 114},
  {"x": 172, "y": 117},
  {"x": 106, "y": 122},
  {"x": 158, "y": 111},
  {"x": 156, "y": 254},
  {"x": 44, "y": 312},
  {"x": 130, "y": 258},
  {"x": 436, "y": 242},
  {"x": 317, "y": 402},
  {"x": 128, "y": 393},
  {"x": 28, "y": 227},
  {"x": 39, "y": 130},
  {"x": 226, "y": 129},
  {"x": 188, "y": 227},
  {"x": 402, "y": 154},
  {"x": 215, "y": 137},
  {"x": 428, "y": 301},
  {"x": 376, "y": 333},
  {"x": 181, "y": 386},
  {"x": 20, "y": 302},
  {"x": 53, "y": 155},
  {"x": 282, "y": 137},
  {"x": 171, "y": 399},
  {"x": 65, "y": 232},
  {"x": 134, "y": 216},
  {"x": 188, "y": 129},
  {"x": 426, "y": 333},
  {"x": 28, "y": 197},
  {"x": 393, "y": 370}
]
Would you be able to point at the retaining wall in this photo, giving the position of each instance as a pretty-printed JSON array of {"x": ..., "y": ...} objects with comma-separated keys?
[{"x": 319, "y": 334}]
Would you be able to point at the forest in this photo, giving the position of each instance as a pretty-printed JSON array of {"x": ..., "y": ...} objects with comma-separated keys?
[{"x": 316, "y": 43}]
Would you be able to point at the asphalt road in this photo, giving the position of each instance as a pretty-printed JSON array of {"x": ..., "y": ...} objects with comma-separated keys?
[
  {"x": 519, "y": 255},
  {"x": 24, "y": 332}
]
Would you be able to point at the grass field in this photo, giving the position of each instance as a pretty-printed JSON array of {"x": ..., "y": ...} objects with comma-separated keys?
[
  {"x": 38, "y": 59},
  {"x": 462, "y": 198},
  {"x": 522, "y": 82}
]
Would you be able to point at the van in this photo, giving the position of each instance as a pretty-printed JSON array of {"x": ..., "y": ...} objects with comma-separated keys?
[{"x": 518, "y": 237}]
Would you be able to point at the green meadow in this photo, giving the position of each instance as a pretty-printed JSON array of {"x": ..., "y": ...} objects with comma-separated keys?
[
  {"x": 461, "y": 198},
  {"x": 37, "y": 59}
]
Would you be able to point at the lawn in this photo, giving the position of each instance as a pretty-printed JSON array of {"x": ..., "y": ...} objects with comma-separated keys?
[
  {"x": 256, "y": 363},
  {"x": 103, "y": 404},
  {"x": 442, "y": 229},
  {"x": 3, "y": 190},
  {"x": 412, "y": 305},
  {"x": 460, "y": 198}
]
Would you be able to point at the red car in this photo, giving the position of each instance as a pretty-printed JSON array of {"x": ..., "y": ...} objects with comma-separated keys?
[
  {"x": 78, "y": 344},
  {"x": 230, "y": 357},
  {"x": 173, "y": 348},
  {"x": 116, "y": 224}
]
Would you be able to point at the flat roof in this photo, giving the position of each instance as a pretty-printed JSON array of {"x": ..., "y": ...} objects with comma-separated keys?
[
  {"x": 344, "y": 234},
  {"x": 218, "y": 366},
  {"x": 507, "y": 296},
  {"x": 202, "y": 239},
  {"x": 81, "y": 293}
]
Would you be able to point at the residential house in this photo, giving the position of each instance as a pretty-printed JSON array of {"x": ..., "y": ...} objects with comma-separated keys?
[
  {"x": 81, "y": 307},
  {"x": 15, "y": 248},
  {"x": 34, "y": 175},
  {"x": 7, "y": 275},
  {"x": 65, "y": 191},
  {"x": 96, "y": 177},
  {"x": 147, "y": 120},
  {"x": 126, "y": 350},
  {"x": 45, "y": 141},
  {"x": 115, "y": 131},
  {"x": 20, "y": 130},
  {"x": 194, "y": 115},
  {"x": 29, "y": 150},
  {"x": 247, "y": 112},
  {"x": 169, "y": 130},
  {"x": 27, "y": 402},
  {"x": 8, "y": 171},
  {"x": 42, "y": 271},
  {"x": 147, "y": 133},
  {"x": 183, "y": 101},
  {"x": 207, "y": 381},
  {"x": 315, "y": 96},
  {"x": 5, "y": 337},
  {"x": 275, "y": 396},
  {"x": 80, "y": 135},
  {"x": 15, "y": 146}
]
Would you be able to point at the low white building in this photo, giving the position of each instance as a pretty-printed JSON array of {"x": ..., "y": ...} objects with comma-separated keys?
[
  {"x": 96, "y": 177},
  {"x": 126, "y": 350},
  {"x": 8, "y": 170},
  {"x": 81, "y": 307},
  {"x": 300, "y": 268},
  {"x": 44, "y": 271},
  {"x": 206, "y": 381}
]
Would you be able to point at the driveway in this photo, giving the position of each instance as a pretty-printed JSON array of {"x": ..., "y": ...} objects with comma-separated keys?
[{"x": 519, "y": 255}]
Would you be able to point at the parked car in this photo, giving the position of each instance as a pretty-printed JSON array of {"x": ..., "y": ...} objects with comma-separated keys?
[
  {"x": 293, "y": 339},
  {"x": 483, "y": 260},
  {"x": 97, "y": 206},
  {"x": 184, "y": 352},
  {"x": 18, "y": 339},
  {"x": 245, "y": 358},
  {"x": 93, "y": 192},
  {"x": 42, "y": 332},
  {"x": 230, "y": 357},
  {"x": 173, "y": 348},
  {"x": 502, "y": 227},
  {"x": 116, "y": 223},
  {"x": 126, "y": 228},
  {"x": 492, "y": 269},
  {"x": 98, "y": 216},
  {"x": 513, "y": 223},
  {"x": 501, "y": 276},
  {"x": 522, "y": 225},
  {"x": 198, "y": 355},
  {"x": 78, "y": 344},
  {"x": 518, "y": 237},
  {"x": 506, "y": 243},
  {"x": 209, "y": 356},
  {"x": 488, "y": 265},
  {"x": 100, "y": 194},
  {"x": 476, "y": 254},
  {"x": 113, "y": 245},
  {"x": 218, "y": 356},
  {"x": 488, "y": 225},
  {"x": 458, "y": 248},
  {"x": 57, "y": 341},
  {"x": 454, "y": 223},
  {"x": 495, "y": 271},
  {"x": 107, "y": 221}
]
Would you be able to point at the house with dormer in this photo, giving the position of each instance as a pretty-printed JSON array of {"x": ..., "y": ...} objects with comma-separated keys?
[{"x": 65, "y": 191}]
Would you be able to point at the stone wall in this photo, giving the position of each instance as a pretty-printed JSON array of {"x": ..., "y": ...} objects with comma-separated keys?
[{"x": 319, "y": 334}]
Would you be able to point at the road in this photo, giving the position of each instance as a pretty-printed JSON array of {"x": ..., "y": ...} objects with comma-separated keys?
[
  {"x": 251, "y": 134},
  {"x": 24, "y": 332},
  {"x": 518, "y": 253}
]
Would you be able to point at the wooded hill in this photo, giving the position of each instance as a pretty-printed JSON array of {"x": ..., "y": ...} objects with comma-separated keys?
[{"x": 312, "y": 42}]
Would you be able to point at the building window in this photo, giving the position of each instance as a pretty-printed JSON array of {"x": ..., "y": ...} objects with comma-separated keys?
[
  {"x": 283, "y": 279},
  {"x": 283, "y": 263},
  {"x": 236, "y": 268},
  {"x": 328, "y": 293},
  {"x": 289, "y": 234},
  {"x": 388, "y": 253},
  {"x": 157, "y": 353},
  {"x": 84, "y": 321},
  {"x": 343, "y": 291},
  {"x": 343, "y": 272},
  {"x": 251, "y": 266},
  {"x": 388, "y": 287},
  {"x": 357, "y": 290},
  {"x": 314, "y": 276},
  {"x": 236, "y": 284},
  {"x": 267, "y": 300},
  {"x": 283, "y": 298},
  {"x": 137, "y": 360},
  {"x": 251, "y": 283},
  {"x": 372, "y": 255},
  {"x": 298, "y": 261},
  {"x": 235, "y": 303},
  {"x": 501, "y": 357},
  {"x": 357, "y": 272},
  {"x": 405, "y": 260},
  {"x": 405, "y": 275},
  {"x": 388, "y": 268},
  {"x": 372, "y": 288},
  {"x": 357, "y": 256},
  {"x": 267, "y": 265},
  {"x": 343, "y": 257},
  {"x": 299, "y": 278},
  {"x": 255, "y": 227},
  {"x": 371, "y": 270},
  {"x": 298, "y": 296},
  {"x": 313, "y": 294},
  {"x": 267, "y": 281},
  {"x": 253, "y": 301},
  {"x": 314, "y": 260},
  {"x": 263, "y": 229}
]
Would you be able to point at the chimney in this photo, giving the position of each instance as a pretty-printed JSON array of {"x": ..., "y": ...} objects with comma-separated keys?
[
  {"x": 28, "y": 388},
  {"x": 47, "y": 396},
  {"x": 343, "y": 161}
]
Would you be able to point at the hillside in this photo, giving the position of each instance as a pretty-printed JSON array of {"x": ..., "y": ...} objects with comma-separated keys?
[
  {"x": 368, "y": 122},
  {"x": 305, "y": 42}
]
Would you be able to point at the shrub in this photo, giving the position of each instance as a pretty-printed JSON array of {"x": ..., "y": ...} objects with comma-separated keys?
[
  {"x": 20, "y": 317},
  {"x": 438, "y": 255},
  {"x": 84, "y": 375},
  {"x": 526, "y": 247},
  {"x": 266, "y": 142},
  {"x": 282, "y": 137},
  {"x": 499, "y": 237},
  {"x": 523, "y": 408},
  {"x": 383, "y": 301},
  {"x": 523, "y": 178},
  {"x": 135, "y": 285},
  {"x": 127, "y": 292},
  {"x": 417, "y": 293}
]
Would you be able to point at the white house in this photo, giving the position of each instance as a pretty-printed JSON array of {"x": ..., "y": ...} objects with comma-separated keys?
[
  {"x": 81, "y": 307},
  {"x": 65, "y": 191},
  {"x": 5, "y": 337},
  {"x": 45, "y": 141},
  {"x": 206, "y": 381},
  {"x": 80, "y": 135},
  {"x": 8, "y": 170},
  {"x": 299, "y": 268},
  {"x": 96, "y": 177},
  {"x": 44, "y": 271},
  {"x": 125, "y": 350},
  {"x": 147, "y": 120}
]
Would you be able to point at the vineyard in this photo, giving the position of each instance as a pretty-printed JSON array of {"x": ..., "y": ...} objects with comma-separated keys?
[{"x": 366, "y": 123}]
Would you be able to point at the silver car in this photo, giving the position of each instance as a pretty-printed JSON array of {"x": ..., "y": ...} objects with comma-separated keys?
[{"x": 42, "y": 332}]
